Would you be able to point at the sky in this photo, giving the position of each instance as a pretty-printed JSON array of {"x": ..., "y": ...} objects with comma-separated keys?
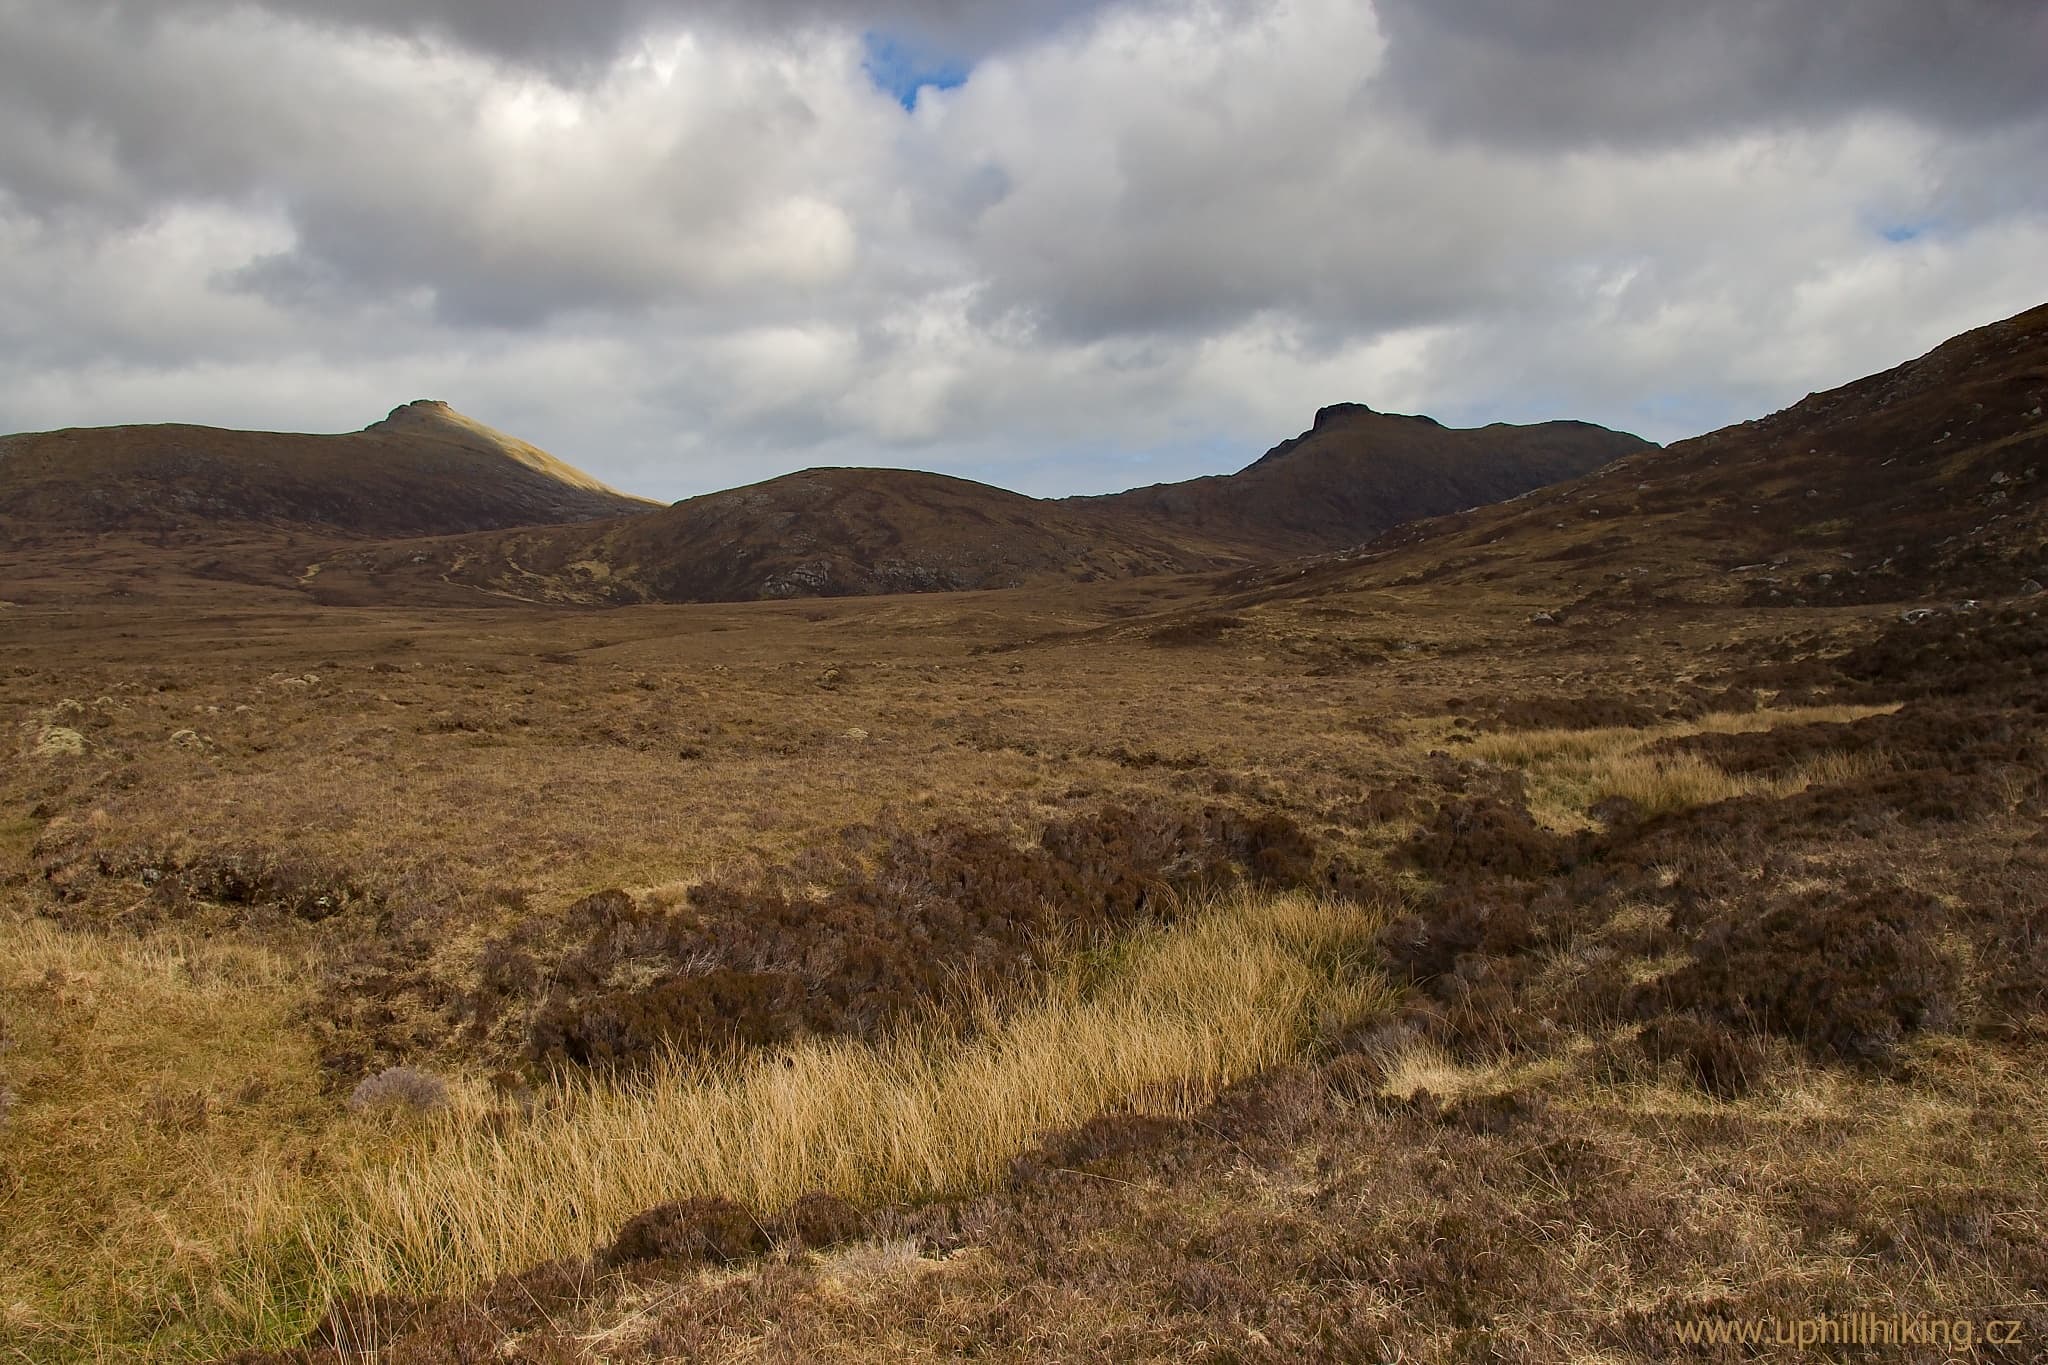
[{"x": 1066, "y": 247}]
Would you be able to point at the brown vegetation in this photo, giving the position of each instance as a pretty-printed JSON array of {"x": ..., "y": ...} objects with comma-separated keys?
[
  {"x": 841, "y": 532},
  {"x": 1377, "y": 974}
]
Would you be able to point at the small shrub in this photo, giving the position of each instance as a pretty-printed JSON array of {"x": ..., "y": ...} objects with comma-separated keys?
[
  {"x": 1106, "y": 1138},
  {"x": 1715, "y": 1058},
  {"x": 400, "y": 1087},
  {"x": 1485, "y": 836},
  {"x": 1987, "y": 652},
  {"x": 1569, "y": 713},
  {"x": 850, "y": 946},
  {"x": 710, "y": 1231},
  {"x": 1845, "y": 972},
  {"x": 818, "y": 1221}
]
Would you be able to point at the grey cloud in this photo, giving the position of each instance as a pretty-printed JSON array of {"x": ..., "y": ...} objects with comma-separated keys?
[
  {"x": 400, "y": 171},
  {"x": 576, "y": 40},
  {"x": 1562, "y": 72},
  {"x": 1141, "y": 247}
]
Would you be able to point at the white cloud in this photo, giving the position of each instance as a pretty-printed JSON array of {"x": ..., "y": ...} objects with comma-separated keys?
[{"x": 1142, "y": 241}]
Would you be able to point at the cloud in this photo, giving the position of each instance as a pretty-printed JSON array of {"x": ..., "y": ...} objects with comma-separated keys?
[
  {"x": 695, "y": 245},
  {"x": 1557, "y": 73},
  {"x": 577, "y": 41},
  {"x": 705, "y": 168}
]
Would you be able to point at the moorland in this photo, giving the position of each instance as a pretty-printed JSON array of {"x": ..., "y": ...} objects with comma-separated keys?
[{"x": 1557, "y": 929}]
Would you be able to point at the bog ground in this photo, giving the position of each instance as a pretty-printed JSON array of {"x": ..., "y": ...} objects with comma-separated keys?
[
  {"x": 1608, "y": 925},
  {"x": 1050, "y": 977}
]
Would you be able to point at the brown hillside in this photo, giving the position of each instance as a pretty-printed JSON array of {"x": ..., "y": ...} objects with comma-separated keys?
[
  {"x": 847, "y": 532},
  {"x": 425, "y": 470},
  {"x": 1925, "y": 480},
  {"x": 1357, "y": 472},
  {"x": 819, "y": 533}
]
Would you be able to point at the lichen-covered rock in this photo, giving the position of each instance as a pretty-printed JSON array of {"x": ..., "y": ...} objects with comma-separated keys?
[{"x": 59, "y": 741}]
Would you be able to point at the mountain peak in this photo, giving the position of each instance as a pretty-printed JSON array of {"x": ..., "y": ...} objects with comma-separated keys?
[
  {"x": 1345, "y": 414},
  {"x": 422, "y": 406},
  {"x": 431, "y": 417},
  {"x": 420, "y": 412},
  {"x": 1337, "y": 413}
]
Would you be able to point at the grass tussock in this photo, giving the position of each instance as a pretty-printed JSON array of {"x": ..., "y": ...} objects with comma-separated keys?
[
  {"x": 196, "y": 1193},
  {"x": 161, "y": 1132},
  {"x": 1569, "y": 771},
  {"x": 1170, "y": 1018}
]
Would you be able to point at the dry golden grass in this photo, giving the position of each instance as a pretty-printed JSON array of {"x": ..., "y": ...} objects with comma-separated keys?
[
  {"x": 228, "y": 1228},
  {"x": 1525, "y": 747},
  {"x": 1571, "y": 770},
  {"x": 174, "y": 1104},
  {"x": 1178, "y": 1013}
]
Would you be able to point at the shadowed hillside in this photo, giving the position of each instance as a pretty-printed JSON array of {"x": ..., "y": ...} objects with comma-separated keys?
[
  {"x": 424, "y": 470},
  {"x": 1924, "y": 480},
  {"x": 1357, "y": 472},
  {"x": 819, "y": 533}
]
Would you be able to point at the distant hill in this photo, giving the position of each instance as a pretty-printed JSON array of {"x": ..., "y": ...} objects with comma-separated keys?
[
  {"x": 1357, "y": 472},
  {"x": 819, "y": 533},
  {"x": 1924, "y": 481},
  {"x": 840, "y": 532},
  {"x": 424, "y": 470}
]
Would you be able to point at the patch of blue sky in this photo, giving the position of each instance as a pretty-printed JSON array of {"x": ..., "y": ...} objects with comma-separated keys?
[
  {"x": 905, "y": 70},
  {"x": 1899, "y": 229}
]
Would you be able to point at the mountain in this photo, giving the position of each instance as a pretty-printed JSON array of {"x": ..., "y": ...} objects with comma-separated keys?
[
  {"x": 1924, "y": 481},
  {"x": 819, "y": 533},
  {"x": 1357, "y": 472},
  {"x": 840, "y": 532},
  {"x": 424, "y": 470}
]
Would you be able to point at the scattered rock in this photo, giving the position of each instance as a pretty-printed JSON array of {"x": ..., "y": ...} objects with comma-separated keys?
[
  {"x": 832, "y": 678},
  {"x": 59, "y": 741},
  {"x": 1913, "y": 616},
  {"x": 402, "y": 1088}
]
